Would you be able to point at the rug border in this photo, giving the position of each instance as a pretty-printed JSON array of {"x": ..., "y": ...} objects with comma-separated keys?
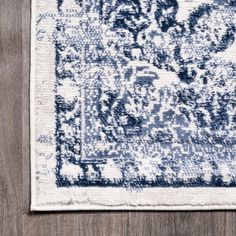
[
  {"x": 196, "y": 191},
  {"x": 32, "y": 114},
  {"x": 152, "y": 208}
]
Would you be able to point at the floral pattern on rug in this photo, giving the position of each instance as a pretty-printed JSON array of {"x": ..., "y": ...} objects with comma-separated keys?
[{"x": 143, "y": 97}]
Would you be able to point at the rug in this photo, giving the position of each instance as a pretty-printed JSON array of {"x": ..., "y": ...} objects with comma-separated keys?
[{"x": 133, "y": 105}]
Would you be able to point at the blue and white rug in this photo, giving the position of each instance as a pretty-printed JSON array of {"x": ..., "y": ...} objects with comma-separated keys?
[{"x": 133, "y": 104}]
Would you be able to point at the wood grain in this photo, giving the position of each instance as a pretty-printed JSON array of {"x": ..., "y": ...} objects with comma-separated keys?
[
  {"x": 84, "y": 224},
  {"x": 15, "y": 218},
  {"x": 183, "y": 223},
  {"x": 10, "y": 118},
  {"x": 26, "y": 16}
]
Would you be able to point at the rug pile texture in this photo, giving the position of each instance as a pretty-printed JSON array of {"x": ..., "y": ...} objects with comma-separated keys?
[{"x": 133, "y": 104}]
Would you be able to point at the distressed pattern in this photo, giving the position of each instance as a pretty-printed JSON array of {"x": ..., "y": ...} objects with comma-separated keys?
[{"x": 145, "y": 95}]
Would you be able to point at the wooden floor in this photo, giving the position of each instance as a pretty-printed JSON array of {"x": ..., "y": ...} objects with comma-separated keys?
[{"x": 15, "y": 218}]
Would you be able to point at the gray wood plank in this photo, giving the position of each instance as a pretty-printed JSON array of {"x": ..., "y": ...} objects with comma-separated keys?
[
  {"x": 230, "y": 223},
  {"x": 212, "y": 223},
  {"x": 76, "y": 224},
  {"x": 26, "y": 6},
  {"x": 10, "y": 118},
  {"x": 139, "y": 224}
]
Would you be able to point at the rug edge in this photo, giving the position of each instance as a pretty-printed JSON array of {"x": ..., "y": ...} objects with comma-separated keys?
[{"x": 35, "y": 207}]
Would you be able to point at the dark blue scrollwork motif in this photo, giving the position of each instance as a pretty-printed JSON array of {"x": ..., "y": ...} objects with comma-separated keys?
[{"x": 201, "y": 105}]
